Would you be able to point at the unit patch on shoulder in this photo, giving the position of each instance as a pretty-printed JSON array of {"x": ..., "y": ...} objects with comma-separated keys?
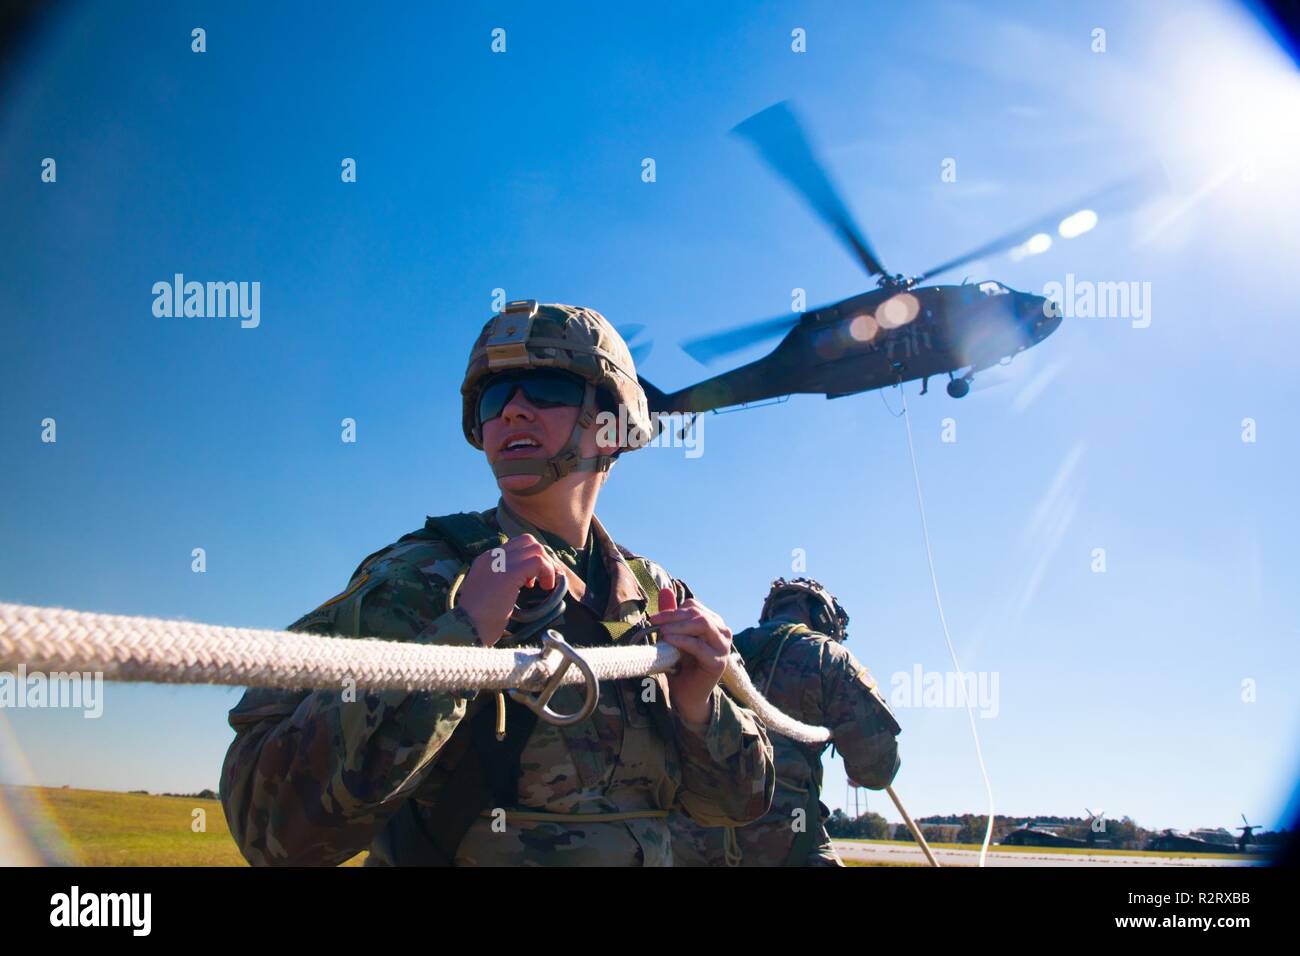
[
  {"x": 324, "y": 615},
  {"x": 346, "y": 594},
  {"x": 869, "y": 682}
]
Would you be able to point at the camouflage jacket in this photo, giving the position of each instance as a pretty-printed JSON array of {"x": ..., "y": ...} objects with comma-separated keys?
[
  {"x": 311, "y": 779},
  {"x": 816, "y": 680}
]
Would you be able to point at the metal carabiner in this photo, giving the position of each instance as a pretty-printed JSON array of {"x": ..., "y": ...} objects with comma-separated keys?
[
  {"x": 540, "y": 703},
  {"x": 537, "y": 618}
]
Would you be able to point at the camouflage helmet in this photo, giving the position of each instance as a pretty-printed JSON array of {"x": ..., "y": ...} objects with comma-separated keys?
[
  {"x": 576, "y": 340},
  {"x": 827, "y": 615}
]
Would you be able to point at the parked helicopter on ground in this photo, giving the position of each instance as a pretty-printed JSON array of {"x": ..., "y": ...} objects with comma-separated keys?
[
  {"x": 898, "y": 332},
  {"x": 1172, "y": 840},
  {"x": 1032, "y": 833}
]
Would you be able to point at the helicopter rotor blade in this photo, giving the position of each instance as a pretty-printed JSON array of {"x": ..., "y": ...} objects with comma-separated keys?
[
  {"x": 1121, "y": 193},
  {"x": 638, "y": 347},
  {"x": 779, "y": 139},
  {"x": 709, "y": 348}
]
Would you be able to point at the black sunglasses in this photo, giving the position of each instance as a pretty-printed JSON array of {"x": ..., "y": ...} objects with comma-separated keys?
[{"x": 544, "y": 388}]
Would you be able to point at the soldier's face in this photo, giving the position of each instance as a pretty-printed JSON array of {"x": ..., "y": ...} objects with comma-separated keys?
[
  {"x": 795, "y": 610},
  {"x": 522, "y": 431}
]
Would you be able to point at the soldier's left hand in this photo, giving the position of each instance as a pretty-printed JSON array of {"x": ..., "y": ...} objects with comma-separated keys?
[{"x": 705, "y": 642}]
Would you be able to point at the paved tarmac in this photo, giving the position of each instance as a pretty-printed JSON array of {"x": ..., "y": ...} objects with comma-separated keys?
[{"x": 911, "y": 853}]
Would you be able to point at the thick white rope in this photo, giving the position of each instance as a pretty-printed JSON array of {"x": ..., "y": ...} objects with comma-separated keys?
[
  {"x": 127, "y": 648},
  {"x": 154, "y": 650}
]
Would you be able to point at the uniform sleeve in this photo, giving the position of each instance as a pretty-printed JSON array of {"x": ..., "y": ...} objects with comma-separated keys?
[
  {"x": 312, "y": 775},
  {"x": 864, "y": 727},
  {"x": 728, "y": 774}
]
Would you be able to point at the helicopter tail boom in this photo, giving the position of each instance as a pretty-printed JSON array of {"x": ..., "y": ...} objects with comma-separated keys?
[{"x": 655, "y": 398}]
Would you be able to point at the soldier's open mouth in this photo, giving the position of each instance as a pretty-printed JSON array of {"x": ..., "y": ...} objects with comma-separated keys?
[{"x": 519, "y": 445}]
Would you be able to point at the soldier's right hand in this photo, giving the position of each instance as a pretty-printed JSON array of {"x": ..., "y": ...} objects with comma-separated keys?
[{"x": 492, "y": 585}]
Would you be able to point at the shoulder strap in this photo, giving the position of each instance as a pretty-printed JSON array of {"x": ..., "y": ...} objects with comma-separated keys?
[
  {"x": 641, "y": 570},
  {"x": 649, "y": 585},
  {"x": 756, "y": 645},
  {"x": 465, "y": 531}
]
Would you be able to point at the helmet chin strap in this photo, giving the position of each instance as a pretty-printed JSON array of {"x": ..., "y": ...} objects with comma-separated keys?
[{"x": 567, "y": 461}]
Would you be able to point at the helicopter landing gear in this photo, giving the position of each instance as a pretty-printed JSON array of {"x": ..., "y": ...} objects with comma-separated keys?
[
  {"x": 958, "y": 387},
  {"x": 925, "y": 384}
]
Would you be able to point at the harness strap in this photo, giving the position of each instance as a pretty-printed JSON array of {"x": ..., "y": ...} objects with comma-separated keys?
[
  {"x": 648, "y": 584},
  {"x": 641, "y": 571},
  {"x": 466, "y": 532}
]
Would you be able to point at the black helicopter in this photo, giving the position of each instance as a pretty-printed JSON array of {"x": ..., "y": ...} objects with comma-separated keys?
[
  {"x": 1198, "y": 843},
  {"x": 898, "y": 332}
]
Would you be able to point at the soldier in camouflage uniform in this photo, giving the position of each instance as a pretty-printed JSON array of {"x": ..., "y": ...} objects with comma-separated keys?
[
  {"x": 797, "y": 659},
  {"x": 435, "y": 778}
]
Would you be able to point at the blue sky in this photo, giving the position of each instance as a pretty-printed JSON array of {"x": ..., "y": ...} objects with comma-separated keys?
[{"x": 522, "y": 171}]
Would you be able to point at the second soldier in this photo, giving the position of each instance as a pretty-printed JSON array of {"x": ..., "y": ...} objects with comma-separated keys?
[{"x": 797, "y": 659}]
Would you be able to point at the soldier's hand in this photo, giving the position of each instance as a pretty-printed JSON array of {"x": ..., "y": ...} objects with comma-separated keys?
[
  {"x": 705, "y": 642},
  {"x": 492, "y": 585}
]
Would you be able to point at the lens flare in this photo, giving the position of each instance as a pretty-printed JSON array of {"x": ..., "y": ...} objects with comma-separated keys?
[
  {"x": 1077, "y": 224},
  {"x": 30, "y": 834},
  {"x": 863, "y": 328},
  {"x": 1038, "y": 243},
  {"x": 898, "y": 310}
]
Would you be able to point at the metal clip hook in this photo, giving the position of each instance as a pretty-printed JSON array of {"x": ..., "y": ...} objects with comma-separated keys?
[
  {"x": 539, "y": 616},
  {"x": 540, "y": 702}
]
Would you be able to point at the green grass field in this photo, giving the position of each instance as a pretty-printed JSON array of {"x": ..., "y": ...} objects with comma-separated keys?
[{"x": 105, "y": 828}]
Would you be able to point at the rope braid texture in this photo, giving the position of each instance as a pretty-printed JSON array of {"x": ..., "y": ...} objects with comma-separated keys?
[{"x": 154, "y": 650}]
